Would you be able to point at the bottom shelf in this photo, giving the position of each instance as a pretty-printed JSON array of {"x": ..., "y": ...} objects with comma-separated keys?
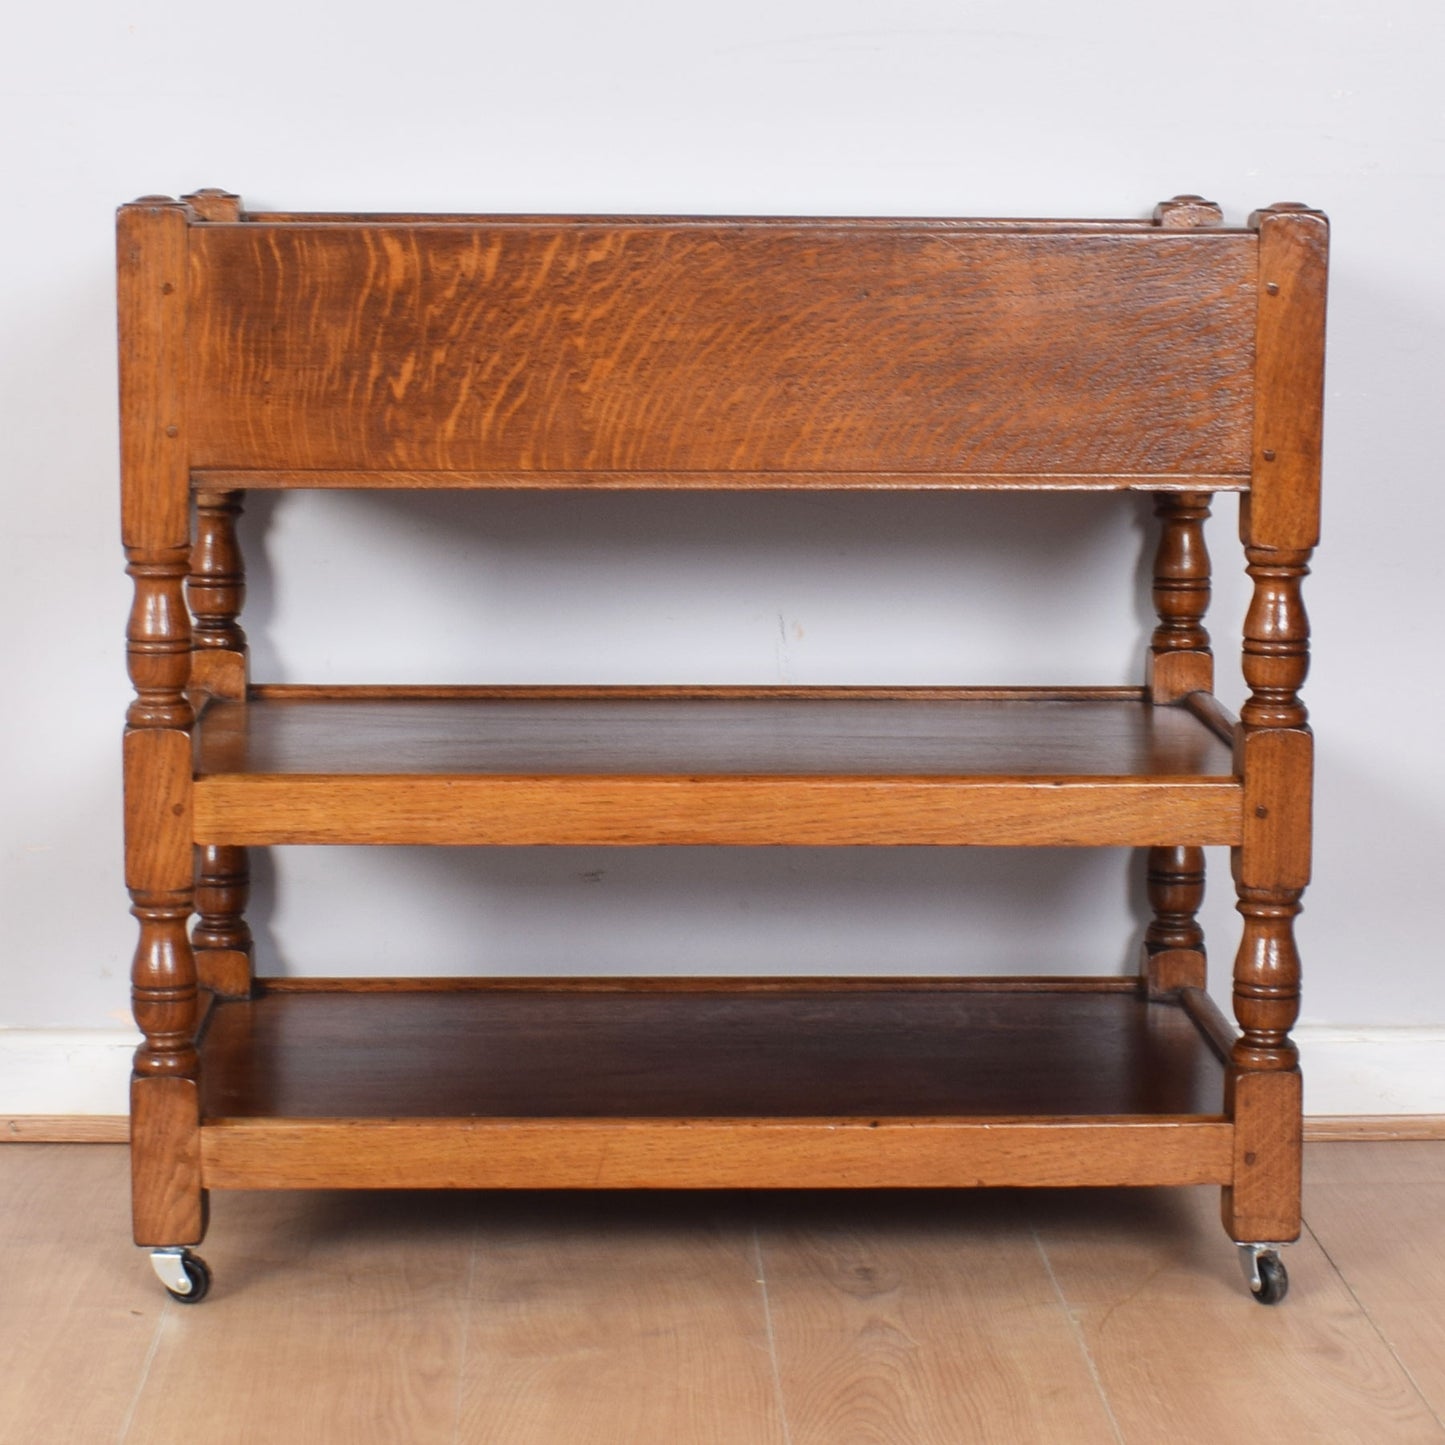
[{"x": 708, "y": 1083}]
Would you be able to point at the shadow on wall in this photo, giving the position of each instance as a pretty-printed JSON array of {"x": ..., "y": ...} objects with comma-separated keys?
[
  {"x": 572, "y": 587},
  {"x": 341, "y": 912},
  {"x": 697, "y": 587}
]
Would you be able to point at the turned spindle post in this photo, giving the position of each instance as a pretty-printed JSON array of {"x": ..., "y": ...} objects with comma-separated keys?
[
  {"x": 216, "y": 588},
  {"x": 1173, "y": 953},
  {"x": 222, "y": 938},
  {"x": 1274, "y": 750},
  {"x": 1180, "y": 663},
  {"x": 168, "y": 1201}
]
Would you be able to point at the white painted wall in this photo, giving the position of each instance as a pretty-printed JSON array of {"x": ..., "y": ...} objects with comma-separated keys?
[{"x": 1034, "y": 107}]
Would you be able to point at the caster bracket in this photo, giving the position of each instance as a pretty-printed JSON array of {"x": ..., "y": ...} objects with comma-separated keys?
[
  {"x": 1264, "y": 1272},
  {"x": 184, "y": 1274}
]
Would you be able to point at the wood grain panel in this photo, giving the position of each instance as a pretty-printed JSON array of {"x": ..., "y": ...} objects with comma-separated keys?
[
  {"x": 655, "y": 347},
  {"x": 151, "y": 246},
  {"x": 281, "y": 1153},
  {"x": 1283, "y": 507},
  {"x": 649, "y": 812}
]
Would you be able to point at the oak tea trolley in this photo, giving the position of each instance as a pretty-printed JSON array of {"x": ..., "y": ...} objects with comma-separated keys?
[{"x": 1178, "y": 356}]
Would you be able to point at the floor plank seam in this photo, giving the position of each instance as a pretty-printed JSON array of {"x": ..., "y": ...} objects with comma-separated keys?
[
  {"x": 145, "y": 1373},
  {"x": 466, "y": 1339},
  {"x": 762, "y": 1282},
  {"x": 1383, "y": 1338},
  {"x": 1079, "y": 1339}
]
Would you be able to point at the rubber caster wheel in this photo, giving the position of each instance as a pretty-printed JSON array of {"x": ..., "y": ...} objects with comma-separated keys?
[
  {"x": 186, "y": 1276},
  {"x": 1273, "y": 1280},
  {"x": 1265, "y": 1273}
]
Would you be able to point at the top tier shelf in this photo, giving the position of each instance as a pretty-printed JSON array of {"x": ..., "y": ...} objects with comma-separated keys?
[{"x": 713, "y": 766}]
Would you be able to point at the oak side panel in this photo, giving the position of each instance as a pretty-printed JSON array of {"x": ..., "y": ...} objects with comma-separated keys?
[
  {"x": 648, "y": 812},
  {"x": 649, "y": 347},
  {"x": 710, "y": 1153}
]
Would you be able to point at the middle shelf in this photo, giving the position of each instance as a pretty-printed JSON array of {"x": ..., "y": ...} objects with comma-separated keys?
[{"x": 739, "y": 766}]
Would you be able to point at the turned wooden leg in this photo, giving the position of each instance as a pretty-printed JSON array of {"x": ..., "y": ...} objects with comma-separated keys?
[
  {"x": 152, "y": 249},
  {"x": 1173, "y": 955},
  {"x": 1271, "y": 868},
  {"x": 1274, "y": 751},
  {"x": 169, "y": 1207}
]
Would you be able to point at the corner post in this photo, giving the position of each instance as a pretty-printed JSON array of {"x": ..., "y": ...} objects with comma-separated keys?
[
  {"x": 1274, "y": 749},
  {"x": 167, "y": 1195}
]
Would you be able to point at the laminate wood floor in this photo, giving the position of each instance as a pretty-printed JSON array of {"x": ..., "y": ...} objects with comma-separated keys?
[{"x": 787, "y": 1319}]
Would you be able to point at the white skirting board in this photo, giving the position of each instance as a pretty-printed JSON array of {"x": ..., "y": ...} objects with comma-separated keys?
[
  {"x": 1374, "y": 1071},
  {"x": 1365, "y": 1071},
  {"x": 65, "y": 1071}
]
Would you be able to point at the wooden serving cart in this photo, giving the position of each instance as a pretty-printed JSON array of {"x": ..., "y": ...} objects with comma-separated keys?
[{"x": 1177, "y": 356}]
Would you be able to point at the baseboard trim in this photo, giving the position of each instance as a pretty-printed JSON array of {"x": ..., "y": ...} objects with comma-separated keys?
[
  {"x": 65, "y": 1129},
  {"x": 1363, "y": 1128}
]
